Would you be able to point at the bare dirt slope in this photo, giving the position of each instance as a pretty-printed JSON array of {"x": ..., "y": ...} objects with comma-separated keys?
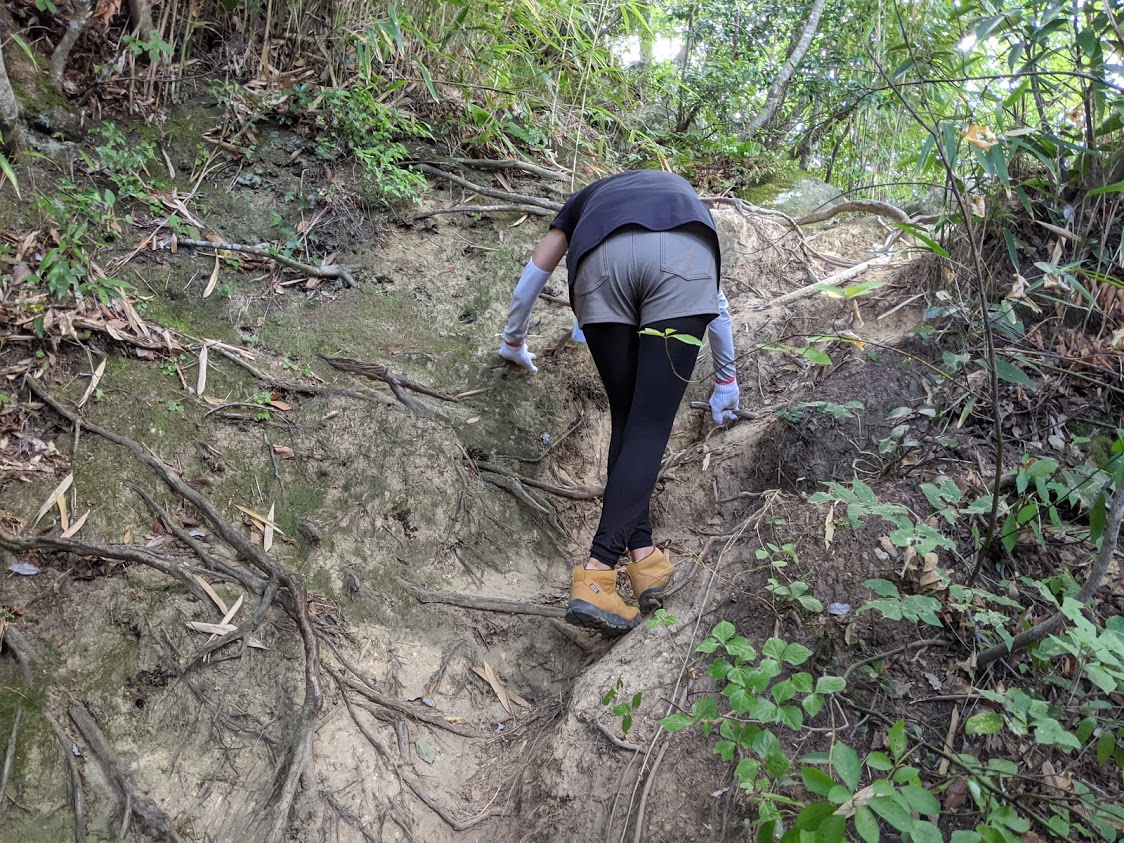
[{"x": 411, "y": 742}]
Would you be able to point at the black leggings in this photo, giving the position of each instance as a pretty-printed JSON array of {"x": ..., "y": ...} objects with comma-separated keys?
[{"x": 645, "y": 378}]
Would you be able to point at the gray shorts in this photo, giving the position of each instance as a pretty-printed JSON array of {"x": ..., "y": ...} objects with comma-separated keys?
[{"x": 637, "y": 277}]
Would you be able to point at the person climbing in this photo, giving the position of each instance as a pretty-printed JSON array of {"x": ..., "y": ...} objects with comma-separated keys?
[{"x": 643, "y": 254}]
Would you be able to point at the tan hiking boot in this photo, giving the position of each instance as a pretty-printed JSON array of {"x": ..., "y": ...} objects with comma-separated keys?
[
  {"x": 594, "y": 603},
  {"x": 649, "y": 578}
]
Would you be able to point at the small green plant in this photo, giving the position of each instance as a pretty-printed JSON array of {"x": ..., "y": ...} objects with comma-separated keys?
[
  {"x": 660, "y": 618},
  {"x": 671, "y": 333},
  {"x": 625, "y": 708},
  {"x": 154, "y": 47},
  {"x": 797, "y": 592}
]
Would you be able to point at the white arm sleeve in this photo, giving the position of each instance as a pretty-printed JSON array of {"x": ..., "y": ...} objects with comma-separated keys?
[
  {"x": 531, "y": 283},
  {"x": 721, "y": 332}
]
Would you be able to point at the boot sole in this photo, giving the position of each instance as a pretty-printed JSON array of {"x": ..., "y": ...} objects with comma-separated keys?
[{"x": 581, "y": 613}]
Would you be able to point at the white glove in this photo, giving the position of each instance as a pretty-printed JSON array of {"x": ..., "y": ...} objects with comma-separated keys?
[
  {"x": 520, "y": 355},
  {"x": 577, "y": 335},
  {"x": 724, "y": 400}
]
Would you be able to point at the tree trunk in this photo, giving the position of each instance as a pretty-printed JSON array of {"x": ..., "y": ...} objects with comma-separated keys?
[
  {"x": 80, "y": 13},
  {"x": 780, "y": 85},
  {"x": 11, "y": 127},
  {"x": 141, "y": 13}
]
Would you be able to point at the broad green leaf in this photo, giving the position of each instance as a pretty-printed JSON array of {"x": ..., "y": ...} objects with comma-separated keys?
[
  {"x": 846, "y": 764},
  {"x": 1106, "y": 745},
  {"x": 818, "y": 357},
  {"x": 879, "y": 761},
  {"x": 740, "y": 647},
  {"x": 883, "y": 588},
  {"x": 925, "y": 832},
  {"x": 813, "y": 815},
  {"x": 984, "y": 723},
  {"x": 791, "y": 716},
  {"x": 817, "y": 781},
  {"x": 1013, "y": 374},
  {"x": 830, "y": 684},
  {"x": 893, "y": 812},
  {"x": 777, "y": 764},
  {"x": 1049, "y": 732},
  {"x": 674, "y": 722},
  {"x": 921, "y": 800},
  {"x": 796, "y": 654},
  {"x": 724, "y": 631},
  {"x": 866, "y": 825},
  {"x": 812, "y": 704},
  {"x": 747, "y": 770},
  {"x": 896, "y": 738}
]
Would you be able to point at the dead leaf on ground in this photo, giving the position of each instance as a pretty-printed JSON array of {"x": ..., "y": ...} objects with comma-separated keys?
[
  {"x": 75, "y": 527},
  {"x": 94, "y": 381},
  {"x": 505, "y": 696},
  {"x": 56, "y": 497},
  {"x": 285, "y": 452},
  {"x": 214, "y": 279},
  {"x": 267, "y": 540},
  {"x": 956, "y": 795}
]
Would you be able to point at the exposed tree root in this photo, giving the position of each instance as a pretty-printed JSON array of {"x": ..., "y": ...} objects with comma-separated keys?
[
  {"x": 484, "y": 604},
  {"x": 398, "y": 383},
  {"x": 575, "y": 493},
  {"x": 140, "y": 802},
  {"x": 77, "y": 801},
  {"x": 9, "y": 757},
  {"x": 857, "y": 206},
  {"x": 452, "y": 822},
  {"x": 296, "y": 605},
  {"x": 298, "y": 388},
  {"x": 332, "y": 271},
  {"x": 412, "y": 712},
  {"x": 21, "y": 649}
]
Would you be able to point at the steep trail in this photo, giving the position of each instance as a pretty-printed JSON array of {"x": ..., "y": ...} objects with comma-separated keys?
[{"x": 374, "y": 493}]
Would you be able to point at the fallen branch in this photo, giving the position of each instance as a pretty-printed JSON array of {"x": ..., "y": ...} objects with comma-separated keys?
[
  {"x": 549, "y": 204},
  {"x": 332, "y": 271},
  {"x": 142, "y": 804},
  {"x": 398, "y": 383},
  {"x": 856, "y": 206},
  {"x": 484, "y": 604},
  {"x": 533, "y": 210},
  {"x": 831, "y": 280},
  {"x": 502, "y": 164},
  {"x": 1054, "y": 622}
]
